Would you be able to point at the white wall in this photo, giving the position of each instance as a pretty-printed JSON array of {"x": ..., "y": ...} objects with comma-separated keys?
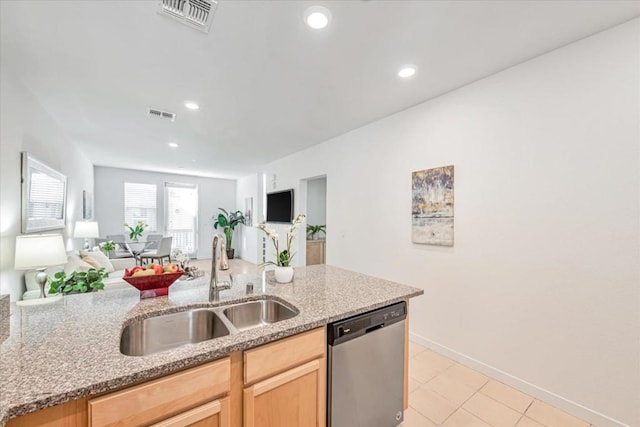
[
  {"x": 213, "y": 193},
  {"x": 249, "y": 238},
  {"x": 317, "y": 202},
  {"x": 26, "y": 126},
  {"x": 542, "y": 286}
]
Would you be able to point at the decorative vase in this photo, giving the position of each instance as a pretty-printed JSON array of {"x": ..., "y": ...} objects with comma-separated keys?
[
  {"x": 230, "y": 253},
  {"x": 283, "y": 274}
]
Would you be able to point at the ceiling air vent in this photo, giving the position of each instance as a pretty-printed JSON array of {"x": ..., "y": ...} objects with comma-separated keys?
[
  {"x": 162, "y": 114},
  {"x": 194, "y": 13}
]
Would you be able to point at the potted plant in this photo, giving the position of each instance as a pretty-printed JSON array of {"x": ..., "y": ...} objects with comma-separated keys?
[
  {"x": 283, "y": 270},
  {"x": 107, "y": 247},
  {"x": 136, "y": 232},
  {"x": 228, "y": 221},
  {"x": 78, "y": 281},
  {"x": 313, "y": 230}
]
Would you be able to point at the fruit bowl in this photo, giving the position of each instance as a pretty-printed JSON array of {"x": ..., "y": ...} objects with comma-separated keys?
[{"x": 154, "y": 285}]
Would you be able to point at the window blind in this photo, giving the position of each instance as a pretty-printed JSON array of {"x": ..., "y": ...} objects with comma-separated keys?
[
  {"x": 46, "y": 198},
  {"x": 140, "y": 204}
]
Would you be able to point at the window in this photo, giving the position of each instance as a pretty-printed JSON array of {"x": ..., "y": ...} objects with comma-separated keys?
[{"x": 140, "y": 204}]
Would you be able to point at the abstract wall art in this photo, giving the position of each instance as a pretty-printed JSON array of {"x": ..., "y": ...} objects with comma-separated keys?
[{"x": 432, "y": 206}]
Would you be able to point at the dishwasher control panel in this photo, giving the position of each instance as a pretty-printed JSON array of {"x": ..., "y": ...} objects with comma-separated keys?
[{"x": 365, "y": 323}]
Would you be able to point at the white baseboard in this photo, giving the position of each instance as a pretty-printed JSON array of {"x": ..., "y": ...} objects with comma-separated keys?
[{"x": 533, "y": 390}]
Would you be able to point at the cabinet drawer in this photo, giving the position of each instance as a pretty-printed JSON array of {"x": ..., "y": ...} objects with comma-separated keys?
[
  {"x": 212, "y": 414},
  {"x": 159, "y": 399},
  {"x": 275, "y": 357}
]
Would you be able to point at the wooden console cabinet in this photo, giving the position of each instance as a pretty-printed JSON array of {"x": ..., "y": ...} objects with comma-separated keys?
[{"x": 316, "y": 252}]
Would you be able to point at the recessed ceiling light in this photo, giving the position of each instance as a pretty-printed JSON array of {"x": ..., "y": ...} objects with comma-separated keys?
[
  {"x": 317, "y": 17},
  {"x": 191, "y": 105},
  {"x": 407, "y": 71},
  {"x": 173, "y": 145}
]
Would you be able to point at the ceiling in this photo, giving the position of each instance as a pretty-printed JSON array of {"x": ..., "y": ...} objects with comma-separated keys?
[{"x": 267, "y": 85}]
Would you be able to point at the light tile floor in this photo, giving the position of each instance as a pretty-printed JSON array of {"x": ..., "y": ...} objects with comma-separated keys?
[{"x": 445, "y": 393}]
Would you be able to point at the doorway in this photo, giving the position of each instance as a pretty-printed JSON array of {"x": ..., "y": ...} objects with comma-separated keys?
[
  {"x": 182, "y": 217},
  {"x": 316, "y": 220}
]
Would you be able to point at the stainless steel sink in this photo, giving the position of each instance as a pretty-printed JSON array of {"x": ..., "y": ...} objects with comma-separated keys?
[
  {"x": 253, "y": 314},
  {"x": 154, "y": 334},
  {"x": 169, "y": 331}
]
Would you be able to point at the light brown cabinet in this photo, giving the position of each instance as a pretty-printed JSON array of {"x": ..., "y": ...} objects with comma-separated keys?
[
  {"x": 285, "y": 382},
  {"x": 279, "y": 384},
  {"x": 212, "y": 414},
  {"x": 316, "y": 252},
  {"x": 166, "y": 401},
  {"x": 292, "y": 398}
]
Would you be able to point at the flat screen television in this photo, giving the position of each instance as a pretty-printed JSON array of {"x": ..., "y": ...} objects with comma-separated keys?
[{"x": 280, "y": 206}]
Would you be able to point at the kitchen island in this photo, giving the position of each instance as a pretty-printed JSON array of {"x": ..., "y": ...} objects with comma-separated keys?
[{"x": 71, "y": 349}]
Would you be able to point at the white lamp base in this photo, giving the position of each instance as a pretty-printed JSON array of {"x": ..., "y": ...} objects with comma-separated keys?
[{"x": 39, "y": 301}]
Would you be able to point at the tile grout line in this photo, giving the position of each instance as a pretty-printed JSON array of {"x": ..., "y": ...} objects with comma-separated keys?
[{"x": 460, "y": 407}]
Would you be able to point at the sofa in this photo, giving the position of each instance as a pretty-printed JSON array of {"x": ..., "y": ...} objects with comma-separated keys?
[{"x": 77, "y": 261}]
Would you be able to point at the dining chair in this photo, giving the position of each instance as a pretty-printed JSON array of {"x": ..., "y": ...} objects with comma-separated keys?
[
  {"x": 163, "y": 251},
  {"x": 155, "y": 238}
]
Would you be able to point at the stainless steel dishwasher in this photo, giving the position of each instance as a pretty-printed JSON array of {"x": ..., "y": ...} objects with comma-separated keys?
[{"x": 366, "y": 369}]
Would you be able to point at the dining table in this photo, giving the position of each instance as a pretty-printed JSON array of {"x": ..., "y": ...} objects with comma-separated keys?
[{"x": 137, "y": 247}]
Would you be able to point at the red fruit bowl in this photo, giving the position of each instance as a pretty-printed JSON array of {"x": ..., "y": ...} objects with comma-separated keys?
[{"x": 155, "y": 285}]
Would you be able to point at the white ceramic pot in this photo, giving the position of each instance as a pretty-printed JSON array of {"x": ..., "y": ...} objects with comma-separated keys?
[{"x": 284, "y": 274}]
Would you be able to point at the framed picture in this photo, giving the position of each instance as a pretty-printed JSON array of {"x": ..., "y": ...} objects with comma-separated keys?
[
  {"x": 87, "y": 205},
  {"x": 248, "y": 211},
  {"x": 44, "y": 196},
  {"x": 432, "y": 206}
]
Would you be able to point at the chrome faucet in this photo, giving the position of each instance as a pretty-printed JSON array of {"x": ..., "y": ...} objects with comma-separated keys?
[{"x": 215, "y": 286}]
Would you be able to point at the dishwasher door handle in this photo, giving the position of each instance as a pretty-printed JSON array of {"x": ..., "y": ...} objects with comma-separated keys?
[{"x": 374, "y": 328}]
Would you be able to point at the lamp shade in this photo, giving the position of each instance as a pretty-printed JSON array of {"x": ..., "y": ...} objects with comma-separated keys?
[
  {"x": 39, "y": 250},
  {"x": 86, "y": 229}
]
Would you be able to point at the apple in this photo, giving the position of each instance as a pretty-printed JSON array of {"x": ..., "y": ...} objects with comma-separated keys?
[
  {"x": 157, "y": 268},
  {"x": 171, "y": 268}
]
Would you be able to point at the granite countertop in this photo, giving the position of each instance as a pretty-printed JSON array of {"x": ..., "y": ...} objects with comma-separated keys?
[{"x": 69, "y": 349}]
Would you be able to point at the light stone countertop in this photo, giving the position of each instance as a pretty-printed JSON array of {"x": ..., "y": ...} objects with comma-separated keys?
[{"x": 70, "y": 349}]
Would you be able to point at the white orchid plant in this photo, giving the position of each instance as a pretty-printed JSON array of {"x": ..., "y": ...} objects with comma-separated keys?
[{"x": 284, "y": 257}]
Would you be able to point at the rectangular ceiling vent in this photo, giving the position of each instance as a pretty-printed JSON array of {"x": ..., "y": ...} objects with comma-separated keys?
[
  {"x": 153, "y": 112},
  {"x": 194, "y": 13}
]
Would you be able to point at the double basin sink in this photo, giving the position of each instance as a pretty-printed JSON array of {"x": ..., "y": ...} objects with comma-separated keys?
[{"x": 169, "y": 331}]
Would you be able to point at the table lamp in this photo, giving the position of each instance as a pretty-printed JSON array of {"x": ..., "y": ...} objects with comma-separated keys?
[
  {"x": 37, "y": 252},
  {"x": 87, "y": 230}
]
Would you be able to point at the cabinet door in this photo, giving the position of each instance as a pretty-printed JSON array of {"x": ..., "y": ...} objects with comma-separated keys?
[
  {"x": 315, "y": 252},
  {"x": 294, "y": 398},
  {"x": 212, "y": 414}
]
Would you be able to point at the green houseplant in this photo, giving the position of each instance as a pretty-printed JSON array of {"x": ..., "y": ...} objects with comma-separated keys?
[
  {"x": 228, "y": 221},
  {"x": 78, "y": 281},
  {"x": 313, "y": 230},
  {"x": 107, "y": 247}
]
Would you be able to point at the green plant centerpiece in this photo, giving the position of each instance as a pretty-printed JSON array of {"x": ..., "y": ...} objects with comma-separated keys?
[
  {"x": 228, "y": 221},
  {"x": 136, "y": 231},
  {"x": 314, "y": 230},
  {"x": 107, "y": 247},
  {"x": 78, "y": 281}
]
